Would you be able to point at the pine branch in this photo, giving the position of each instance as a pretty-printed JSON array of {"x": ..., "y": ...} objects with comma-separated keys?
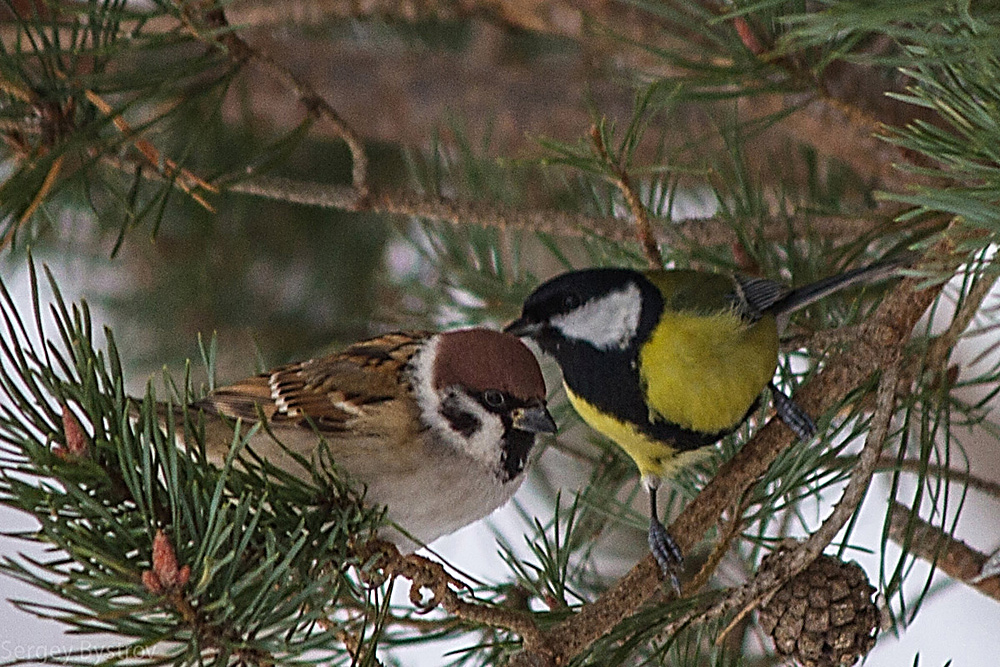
[
  {"x": 696, "y": 233},
  {"x": 932, "y": 544},
  {"x": 252, "y": 557}
]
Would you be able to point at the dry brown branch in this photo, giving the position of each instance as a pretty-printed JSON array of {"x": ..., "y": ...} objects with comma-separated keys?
[
  {"x": 698, "y": 232},
  {"x": 427, "y": 575},
  {"x": 953, "y": 557},
  {"x": 885, "y": 332},
  {"x": 643, "y": 228}
]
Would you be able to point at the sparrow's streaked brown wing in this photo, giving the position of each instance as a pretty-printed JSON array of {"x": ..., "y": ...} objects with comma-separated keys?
[{"x": 327, "y": 393}]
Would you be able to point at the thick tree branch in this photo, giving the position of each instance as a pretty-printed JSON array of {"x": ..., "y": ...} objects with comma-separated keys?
[{"x": 953, "y": 557}]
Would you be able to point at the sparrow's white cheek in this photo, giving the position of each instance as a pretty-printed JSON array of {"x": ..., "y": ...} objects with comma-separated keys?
[
  {"x": 470, "y": 428},
  {"x": 607, "y": 322}
]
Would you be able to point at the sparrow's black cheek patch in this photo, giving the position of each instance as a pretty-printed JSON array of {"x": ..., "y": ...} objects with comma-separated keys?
[
  {"x": 516, "y": 448},
  {"x": 460, "y": 421}
]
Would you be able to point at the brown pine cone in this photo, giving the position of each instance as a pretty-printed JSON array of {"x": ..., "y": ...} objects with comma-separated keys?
[{"x": 824, "y": 616}]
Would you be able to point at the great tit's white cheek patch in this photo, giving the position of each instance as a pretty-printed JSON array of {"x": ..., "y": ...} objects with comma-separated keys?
[{"x": 607, "y": 322}]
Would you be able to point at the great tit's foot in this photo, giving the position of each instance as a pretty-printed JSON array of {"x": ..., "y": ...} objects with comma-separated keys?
[
  {"x": 793, "y": 415},
  {"x": 666, "y": 552}
]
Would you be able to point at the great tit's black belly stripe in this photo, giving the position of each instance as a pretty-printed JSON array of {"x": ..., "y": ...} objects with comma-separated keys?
[{"x": 609, "y": 380}]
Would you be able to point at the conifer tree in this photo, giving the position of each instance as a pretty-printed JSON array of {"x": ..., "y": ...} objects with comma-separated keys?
[{"x": 268, "y": 171}]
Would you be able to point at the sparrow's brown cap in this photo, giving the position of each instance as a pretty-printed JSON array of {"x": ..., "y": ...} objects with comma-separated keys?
[{"x": 481, "y": 359}]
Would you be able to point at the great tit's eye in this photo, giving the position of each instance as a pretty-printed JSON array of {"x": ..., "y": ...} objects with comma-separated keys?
[
  {"x": 571, "y": 301},
  {"x": 493, "y": 398}
]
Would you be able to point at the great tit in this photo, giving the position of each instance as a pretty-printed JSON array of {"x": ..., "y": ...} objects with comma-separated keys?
[{"x": 667, "y": 362}]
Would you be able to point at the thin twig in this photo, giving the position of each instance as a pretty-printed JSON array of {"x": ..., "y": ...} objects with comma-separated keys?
[
  {"x": 695, "y": 232},
  {"x": 643, "y": 228},
  {"x": 221, "y": 34},
  {"x": 953, "y": 557},
  {"x": 354, "y": 649},
  {"x": 987, "y": 486},
  {"x": 733, "y": 528}
]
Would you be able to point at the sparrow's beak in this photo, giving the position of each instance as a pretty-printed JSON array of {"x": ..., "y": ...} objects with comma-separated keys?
[
  {"x": 533, "y": 419},
  {"x": 522, "y": 328}
]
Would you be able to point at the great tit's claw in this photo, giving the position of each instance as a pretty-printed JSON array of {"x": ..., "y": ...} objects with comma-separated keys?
[
  {"x": 793, "y": 415},
  {"x": 666, "y": 552}
]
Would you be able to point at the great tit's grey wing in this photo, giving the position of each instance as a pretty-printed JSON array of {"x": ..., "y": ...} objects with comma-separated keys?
[{"x": 755, "y": 296}]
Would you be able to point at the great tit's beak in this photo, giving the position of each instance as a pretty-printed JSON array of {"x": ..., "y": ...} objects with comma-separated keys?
[
  {"x": 533, "y": 419},
  {"x": 522, "y": 327}
]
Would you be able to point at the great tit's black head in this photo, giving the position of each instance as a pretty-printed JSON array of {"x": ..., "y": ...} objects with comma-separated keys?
[{"x": 607, "y": 308}]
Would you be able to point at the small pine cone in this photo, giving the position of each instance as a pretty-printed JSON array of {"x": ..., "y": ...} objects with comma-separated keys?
[{"x": 824, "y": 616}]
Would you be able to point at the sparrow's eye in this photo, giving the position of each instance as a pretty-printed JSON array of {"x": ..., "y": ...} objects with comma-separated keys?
[
  {"x": 571, "y": 301},
  {"x": 493, "y": 398}
]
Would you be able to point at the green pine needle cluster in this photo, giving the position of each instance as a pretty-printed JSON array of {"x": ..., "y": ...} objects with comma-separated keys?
[{"x": 270, "y": 558}]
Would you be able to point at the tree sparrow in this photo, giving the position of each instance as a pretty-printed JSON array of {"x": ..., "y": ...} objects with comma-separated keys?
[{"x": 437, "y": 426}]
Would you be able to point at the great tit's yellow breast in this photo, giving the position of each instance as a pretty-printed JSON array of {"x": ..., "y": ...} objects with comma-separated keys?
[
  {"x": 653, "y": 457},
  {"x": 704, "y": 371}
]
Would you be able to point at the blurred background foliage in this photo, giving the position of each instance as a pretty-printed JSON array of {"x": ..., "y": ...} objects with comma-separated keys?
[{"x": 782, "y": 138}]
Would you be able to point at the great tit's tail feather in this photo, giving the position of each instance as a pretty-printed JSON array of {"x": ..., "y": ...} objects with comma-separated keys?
[{"x": 808, "y": 294}]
